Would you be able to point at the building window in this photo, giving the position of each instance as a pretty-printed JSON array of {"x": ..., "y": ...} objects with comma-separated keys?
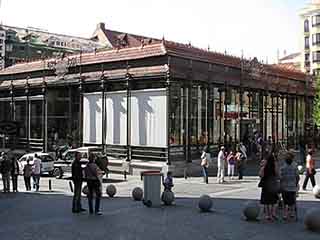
[
  {"x": 316, "y": 20},
  {"x": 306, "y": 43},
  {"x": 316, "y": 39},
  {"x": 316, "y": 56},
  {"x": 306, "y": 26},
  {"x": 307, "y": 57}
]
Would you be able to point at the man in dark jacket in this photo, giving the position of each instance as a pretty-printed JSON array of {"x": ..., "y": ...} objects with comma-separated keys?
[
  {"x": 77, "y": 177},
  {"x": 14, "y": 174},
  {"x": 5, "y": 171}
]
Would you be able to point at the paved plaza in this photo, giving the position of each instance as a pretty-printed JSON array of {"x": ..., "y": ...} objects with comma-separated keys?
[{"x": 47, "y": 215}]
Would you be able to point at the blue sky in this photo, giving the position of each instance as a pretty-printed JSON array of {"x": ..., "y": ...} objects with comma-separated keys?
[{"x": 258, "y": 27}]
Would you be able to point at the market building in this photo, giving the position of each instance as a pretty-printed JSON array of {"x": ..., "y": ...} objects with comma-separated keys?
[{"x": 157, "y": 103}]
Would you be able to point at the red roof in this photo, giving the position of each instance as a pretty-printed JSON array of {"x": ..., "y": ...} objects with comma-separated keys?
[{"x": 158, "y": 49}]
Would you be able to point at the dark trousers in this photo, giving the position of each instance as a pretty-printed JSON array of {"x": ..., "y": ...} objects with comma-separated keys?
[
  {"x": 6, "y": 182},
  {"x": 94, "y": 189},
  {"x": 311, "y": 177},
  {"x": 240, "y": 172},
  {"x": 36, "y": 181},
  {"x": 27, "y": 182},
  {"x": 205, "y": 174},
  {"x": 76, "y": 203},
  {"x": 14, "y": 178}
]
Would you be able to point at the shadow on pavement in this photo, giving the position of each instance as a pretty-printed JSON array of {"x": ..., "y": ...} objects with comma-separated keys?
[{"x": 48, "y": 216}]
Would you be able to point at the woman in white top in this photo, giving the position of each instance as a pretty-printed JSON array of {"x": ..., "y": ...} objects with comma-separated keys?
[{"x": 205, "y": 158}]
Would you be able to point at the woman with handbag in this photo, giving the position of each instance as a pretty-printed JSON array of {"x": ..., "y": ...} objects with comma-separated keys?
[
  {"x": 205, "y": 157},
  {"x": 310, "y": 171},
  {"x": 270, "y": 185}
]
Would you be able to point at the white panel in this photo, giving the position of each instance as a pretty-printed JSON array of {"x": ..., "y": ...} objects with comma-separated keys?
[
  {"x": 149, "y": 118},
  {"x": 116, "y": 118},
  {"x": 92, "y": 118}
]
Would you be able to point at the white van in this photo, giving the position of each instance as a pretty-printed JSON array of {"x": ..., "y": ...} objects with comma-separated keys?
[{"x": 47, "y": 162}]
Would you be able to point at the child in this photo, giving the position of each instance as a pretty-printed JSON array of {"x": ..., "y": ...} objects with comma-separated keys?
[
  {"x": 168, "y": 182},
  {"x": 289, "y": 179}
]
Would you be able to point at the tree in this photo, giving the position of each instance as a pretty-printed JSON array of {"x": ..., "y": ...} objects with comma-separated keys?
[{"x": 316, "y": 107}]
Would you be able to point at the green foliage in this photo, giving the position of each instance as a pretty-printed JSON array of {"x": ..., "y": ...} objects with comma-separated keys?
[{"x": 316, "y": 108}]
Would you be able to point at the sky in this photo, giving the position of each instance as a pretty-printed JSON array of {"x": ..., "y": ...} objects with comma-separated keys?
[{"x": 256, "y": 28}]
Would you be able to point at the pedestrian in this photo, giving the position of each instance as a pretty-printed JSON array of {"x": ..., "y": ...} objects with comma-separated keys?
[
  {"x": 289, "y": 180},
  {"x": 5, "y": 171},
  {"x": 310, "y": 170},
  {"x": 14, "y": 174},
  {"x": 77, "y": 178},
  {"x": 205, "y": 158},
  {"x": 241, "y": 158},
  {"x": 221, "y": 163},
  {"x": 168, "y": 182},
  {"x": 27, "y": 172},
  {"x": 92, "y": 173},
  {"x": 270, "y": 185},
  {"x": 231, "y": 164},
  {"x": 36, "y": 172}
]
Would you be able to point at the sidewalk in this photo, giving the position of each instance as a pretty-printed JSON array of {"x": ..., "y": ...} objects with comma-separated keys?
[{"x": 46, "y": 215}]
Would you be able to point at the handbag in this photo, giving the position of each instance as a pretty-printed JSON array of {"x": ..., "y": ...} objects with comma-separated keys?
[
  {"x": 313, "y": 171},
  {"x": 261, "y": 183}
]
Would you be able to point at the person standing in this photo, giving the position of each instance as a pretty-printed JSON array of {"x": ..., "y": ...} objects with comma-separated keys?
[
  {"x": 205, "y": 157},
  {"x": 27, "y": 172},
  {"x": 231, "y": 164},
  {"x": 269, "y": 174},
  {"x": 221, "y": 163},
  {"x": 310, "y": 171},
  {"x": 14, "y": 174},
  {"x": 77, "y": 178},
  {"x": 92, "y": 172},
  {"x": 289, "y": 180},
  {"x": 5, "y": 171},
  {"x": 36, "y": 172}
]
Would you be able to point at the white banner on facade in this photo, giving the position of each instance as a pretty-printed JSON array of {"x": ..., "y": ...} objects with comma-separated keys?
[
  {"x": 149, "y": 118},
  {"x": 116, "y": 118},
  {"x": 92, "y": 118}
]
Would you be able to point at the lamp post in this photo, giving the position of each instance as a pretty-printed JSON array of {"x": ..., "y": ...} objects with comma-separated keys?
[
  {"x": 104, "y": 118},
  {"x": 27, "y": 90}
]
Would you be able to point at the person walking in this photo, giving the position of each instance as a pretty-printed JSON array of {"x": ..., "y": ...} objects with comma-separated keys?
[
  {"x": 36, "y": 172},
  {"x": 270, "y": 185},
  {"x": 221, "y": 163},
  {"x": 14, "y": 174},
  {"x": 5, "y": 171},
  {"x": 92, "y": 173},
  {"x": 310, "y": 171},
  {"x": 205, "y": 158},
  {"x": 231, "y": 164},
  {"x": 27, "y": 173},
  {"x": 241, "y": 158},
  {"x": 77, "y": 178}
]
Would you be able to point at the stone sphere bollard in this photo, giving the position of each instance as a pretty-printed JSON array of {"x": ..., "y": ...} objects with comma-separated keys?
[
  {"x": 85, "y": 190},
  {"x": 312, "y": 219},
  {"x": 251, "y": 211},
  {"x": 111, "y": 190},
  {"x": 137, "y": 194},
  {"x": 205, "y": 203},
  {"x": 167, "y": 197},
  {"x": 300, "y": 169},
  {"x": 316, "y": 191}
]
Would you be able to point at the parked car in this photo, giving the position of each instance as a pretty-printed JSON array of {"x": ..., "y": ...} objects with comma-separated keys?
[
  {"x": 63, "y": 164},
  {"x": 47, "y": 162}
]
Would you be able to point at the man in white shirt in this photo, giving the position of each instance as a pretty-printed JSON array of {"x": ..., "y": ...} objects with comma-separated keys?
[
  {"x": 36, "y": 172},
  {"x": 221, "y": 163}
]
